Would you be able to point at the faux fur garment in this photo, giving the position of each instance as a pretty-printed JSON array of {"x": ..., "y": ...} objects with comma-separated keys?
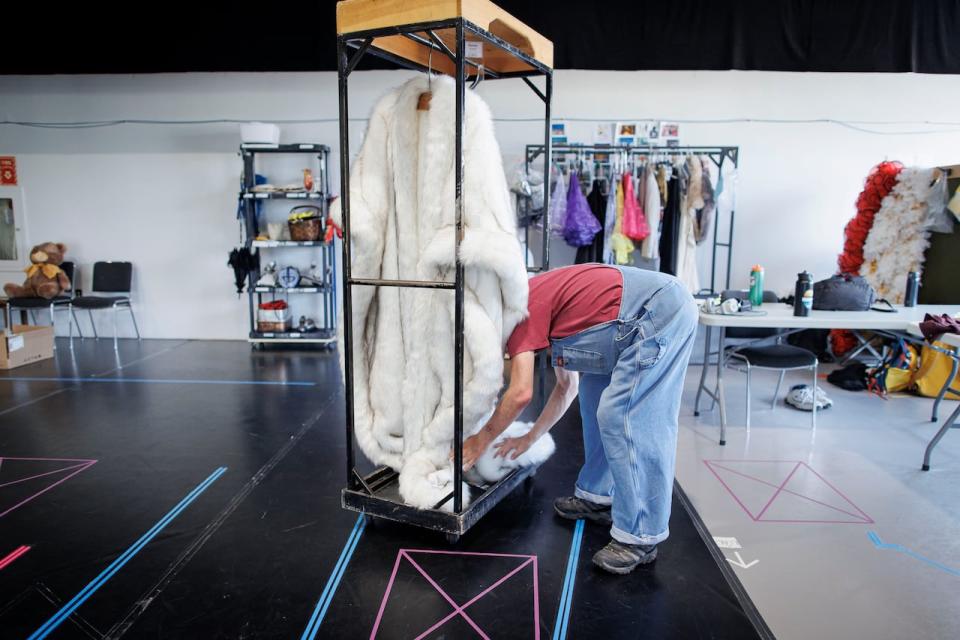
[
  {"x": 490, "y": 469},
  {"x": 402, "y": 227},
  {"x": 900, "y": 235}
]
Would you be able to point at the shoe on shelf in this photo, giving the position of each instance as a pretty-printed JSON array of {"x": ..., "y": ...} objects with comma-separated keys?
[
  {"x": 621, "y": 559},
  {"x": 574, "y": 508},
  {"x": 801, "y": 397}
]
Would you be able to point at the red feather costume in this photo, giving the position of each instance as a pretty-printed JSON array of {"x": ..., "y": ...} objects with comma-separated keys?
[{"x": 880, "y": 181}]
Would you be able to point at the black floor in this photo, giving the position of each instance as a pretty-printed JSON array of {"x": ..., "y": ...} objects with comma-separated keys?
[{"x": 250, "y": 553}]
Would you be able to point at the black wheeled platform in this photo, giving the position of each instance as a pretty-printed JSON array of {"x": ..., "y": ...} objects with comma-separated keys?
[{"x": 379, "y": 497}]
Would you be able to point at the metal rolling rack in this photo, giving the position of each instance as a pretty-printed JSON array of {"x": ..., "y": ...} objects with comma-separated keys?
[
  {"x": 325, "y": 335},
  {"x": 718, "y": 155},
  {"x": 434, "y": 38}
]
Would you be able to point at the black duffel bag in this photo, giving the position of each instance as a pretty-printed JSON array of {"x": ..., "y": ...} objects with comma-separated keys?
[{"x": 843, "y": 292}]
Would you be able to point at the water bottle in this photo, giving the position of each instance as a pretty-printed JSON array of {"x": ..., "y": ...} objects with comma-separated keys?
[
  {"x": 913, "y": 288},
  {"x": 756, "y": 285},
  {"x": 803, "y": 295}
]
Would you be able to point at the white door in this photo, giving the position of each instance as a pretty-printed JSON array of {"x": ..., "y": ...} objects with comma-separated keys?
[{"x": 13, "y": 249}]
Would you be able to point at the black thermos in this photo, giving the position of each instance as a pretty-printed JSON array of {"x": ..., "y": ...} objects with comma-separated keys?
[
  {"x": 913, "y": 288},
  {"x": 803, "y": 295}
]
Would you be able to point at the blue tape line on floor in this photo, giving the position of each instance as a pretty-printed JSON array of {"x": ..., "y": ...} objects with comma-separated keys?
[
  {"x": 880, "y": 544},
  {"x": 50, "y": 625},
  {"x": 333, "y": 582},
  {"x": 566, "y": 594},
  {"x": 279, "y": 383}
]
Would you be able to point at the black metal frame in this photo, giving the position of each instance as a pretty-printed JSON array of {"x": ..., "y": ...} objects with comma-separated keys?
[
  {"x": 718, "y": 155},
  {"x": 374, "y": 493},
  {"x": 249, "y": 198}
]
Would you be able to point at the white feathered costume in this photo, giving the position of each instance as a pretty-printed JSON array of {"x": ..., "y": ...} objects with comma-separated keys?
[
  {"x": 900, "y": 234},
  {"x": 402, "y": 213}
]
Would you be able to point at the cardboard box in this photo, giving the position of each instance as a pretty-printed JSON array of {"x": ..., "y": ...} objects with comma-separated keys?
[{"x": 26, "y": 344}]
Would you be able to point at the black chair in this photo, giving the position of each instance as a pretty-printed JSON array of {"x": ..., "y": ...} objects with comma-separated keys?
[
  {"x": 109, "y": 278},
  {"x": 32, "y": 303},
  {"x": 777, "y": 356}
]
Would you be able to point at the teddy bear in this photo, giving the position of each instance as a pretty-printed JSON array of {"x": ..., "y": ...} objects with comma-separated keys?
[{"x": 45, "y": 278}]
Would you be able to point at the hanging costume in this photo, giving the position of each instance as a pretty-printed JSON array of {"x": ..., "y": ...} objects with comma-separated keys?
[
  {"x": 650, "y": 195},
  {"x": 593, "y": 252},
  {"x": 402, "y": 227}
]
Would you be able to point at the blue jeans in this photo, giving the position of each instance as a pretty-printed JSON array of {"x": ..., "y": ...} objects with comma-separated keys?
[{"x": 632, "y": 372}]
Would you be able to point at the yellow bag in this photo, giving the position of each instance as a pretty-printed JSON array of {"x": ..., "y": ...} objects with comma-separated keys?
[
  {"x": 896, "y": 371},
  {"x": 935, "y": 368}
]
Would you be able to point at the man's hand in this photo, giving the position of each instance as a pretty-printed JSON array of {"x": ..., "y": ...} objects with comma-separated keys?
[
  {"x": 513, "y": 448},
  {"x": 473, "y": 448}
]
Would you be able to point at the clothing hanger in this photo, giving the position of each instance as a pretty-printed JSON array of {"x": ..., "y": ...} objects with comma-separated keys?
[
  {"x": 423, "y": 102},
  {"x": 477, "y": 79}
]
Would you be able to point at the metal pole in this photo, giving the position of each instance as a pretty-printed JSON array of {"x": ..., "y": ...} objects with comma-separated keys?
[
  {"x": 458, "y": 291},
  {"x": 548, "y": 93},
  {"x": 716, "y": 226},
  {"x": 342, "y": 75},
  {"x": 736, "y": 163}
]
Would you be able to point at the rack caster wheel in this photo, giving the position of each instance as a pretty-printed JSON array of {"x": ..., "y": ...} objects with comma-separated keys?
[
  {"x": 696, "y": 414},
  {"x": 528, "y": 484},
  {"x": 453, "y": 538}
]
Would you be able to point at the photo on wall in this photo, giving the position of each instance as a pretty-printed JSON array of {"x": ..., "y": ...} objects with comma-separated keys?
[
  {"x": 603, "y": 133},
  {"x": 558, "y": 132},
  {"x": 670, "y": 133},
  {"x": 626, "y": 133}
]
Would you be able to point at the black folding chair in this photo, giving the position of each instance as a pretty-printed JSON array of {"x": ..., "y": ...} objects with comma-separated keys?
[
  {"x": 777, "y": 357},
  {"x": 109, "y": 278},
  {"x": 32, "y": 303}
]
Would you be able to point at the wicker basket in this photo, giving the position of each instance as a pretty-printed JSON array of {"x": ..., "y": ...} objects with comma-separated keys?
[{"x": 305, "y": 229}]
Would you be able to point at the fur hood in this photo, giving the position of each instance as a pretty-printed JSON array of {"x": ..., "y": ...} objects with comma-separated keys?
[{"x": 402, "y": 199}]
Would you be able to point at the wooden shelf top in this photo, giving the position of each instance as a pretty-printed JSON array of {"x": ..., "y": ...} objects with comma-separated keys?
[{"x": 357, "y": 16}]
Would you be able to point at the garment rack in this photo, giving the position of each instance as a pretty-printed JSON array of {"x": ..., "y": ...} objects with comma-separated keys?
[
  {"x": 631, "y": 153},
  {"x": 431, "y": 38}
]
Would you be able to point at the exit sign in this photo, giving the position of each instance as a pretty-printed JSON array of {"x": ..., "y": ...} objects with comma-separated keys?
[{"x": 8, "y": 171}]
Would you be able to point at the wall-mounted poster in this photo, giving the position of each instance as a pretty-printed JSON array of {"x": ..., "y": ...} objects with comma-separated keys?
[
  {"x": 558, "y": 132},
  {"x": 670, "y": 130},
  {"x": 626, "y": 133},
  {"x": 603, "y": 133}
]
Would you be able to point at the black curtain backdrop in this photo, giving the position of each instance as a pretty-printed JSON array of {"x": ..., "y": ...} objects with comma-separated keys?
[{"x": 769, "y": 35}]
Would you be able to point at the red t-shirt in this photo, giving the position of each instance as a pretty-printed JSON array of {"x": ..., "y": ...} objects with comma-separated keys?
[{"x": 566, "y": 301}]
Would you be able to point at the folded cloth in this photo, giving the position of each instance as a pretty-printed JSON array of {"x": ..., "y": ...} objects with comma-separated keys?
[
  {"x": 852, "y": 377},
  {"x": 933, "y": 326}
]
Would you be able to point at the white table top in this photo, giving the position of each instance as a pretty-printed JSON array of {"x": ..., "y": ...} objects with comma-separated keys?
[{"x": 781, "y": 316}]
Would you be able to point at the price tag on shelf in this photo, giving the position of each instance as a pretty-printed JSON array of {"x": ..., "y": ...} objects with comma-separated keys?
[{"x": 474, "y": 49}]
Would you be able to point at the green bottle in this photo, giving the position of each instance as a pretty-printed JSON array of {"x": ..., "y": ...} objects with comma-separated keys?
[{"x": 756, "y": 285}]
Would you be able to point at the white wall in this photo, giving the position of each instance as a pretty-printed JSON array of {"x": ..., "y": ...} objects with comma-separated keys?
[{"x": 164, "y": 196}]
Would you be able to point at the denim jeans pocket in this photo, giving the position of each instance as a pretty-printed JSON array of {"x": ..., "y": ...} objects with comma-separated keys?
[
  {"x": 649, "y": 351},
  {"x": 581, "y": 360}
]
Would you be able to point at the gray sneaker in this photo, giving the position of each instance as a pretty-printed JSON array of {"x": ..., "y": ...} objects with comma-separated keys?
[
  {"x": 574, "y": 508},
  {"x": 621, "y": 558}
]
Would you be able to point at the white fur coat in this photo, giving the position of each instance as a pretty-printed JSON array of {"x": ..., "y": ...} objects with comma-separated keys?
[
  {"x": 900, "y": 234},
  {"x": 402, "y": 227}
]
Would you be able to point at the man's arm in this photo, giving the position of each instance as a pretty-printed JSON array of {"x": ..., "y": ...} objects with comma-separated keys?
[
  {"x": 515, "y": 399},
  {"x": 568, "y": 383}
]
